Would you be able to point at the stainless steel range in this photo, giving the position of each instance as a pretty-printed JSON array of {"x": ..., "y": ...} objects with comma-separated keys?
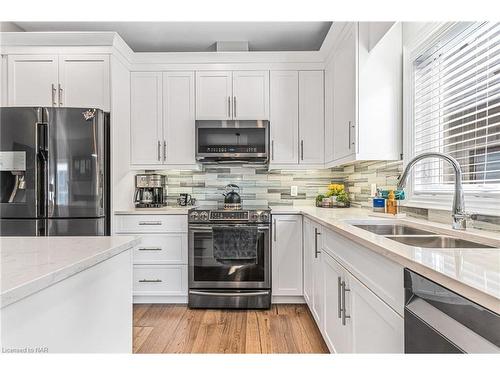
[{"x": 230, "y": 258}]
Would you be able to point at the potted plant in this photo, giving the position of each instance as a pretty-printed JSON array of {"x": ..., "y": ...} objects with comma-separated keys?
[{"x": 343, "y": 199}]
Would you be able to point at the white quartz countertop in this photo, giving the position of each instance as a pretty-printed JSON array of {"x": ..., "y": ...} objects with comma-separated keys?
[
  {"x": 473, "y": 273},
  {"x": 30, "y": 264},
  {"x": 177, "y": 210}
]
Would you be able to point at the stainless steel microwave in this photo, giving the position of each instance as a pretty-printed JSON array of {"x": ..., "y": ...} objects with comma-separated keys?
[{"x": 232, "y": 141}]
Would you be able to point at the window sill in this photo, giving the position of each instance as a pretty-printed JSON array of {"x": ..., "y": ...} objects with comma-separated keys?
[{"x": 483, "y": 206}]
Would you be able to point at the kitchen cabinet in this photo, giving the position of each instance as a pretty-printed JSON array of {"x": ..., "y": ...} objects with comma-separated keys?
[
  {"x": 84, "y": 81},
  {"x": 363, "y": 91},
  {"x": 59, "y": 81},
  {"x": 178, "y": 118},
  {"x": 162, "y": 119},
  {"x": 160, "y": 261},
  {"x": 287, "y": 255},
  {"x": 146, "y": 118},
  {"x": 311, "y": 117},
  {"x": 297, "y": 119},
  {"x": 232, "y": 95},
  {"x": 32, "y": 80},
  {"x": 284, "y": 97},
  {"x": 313, "y": 270}
]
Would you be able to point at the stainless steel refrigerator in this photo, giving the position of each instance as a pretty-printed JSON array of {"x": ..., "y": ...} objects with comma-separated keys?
[{"x": 54, "y": 166}]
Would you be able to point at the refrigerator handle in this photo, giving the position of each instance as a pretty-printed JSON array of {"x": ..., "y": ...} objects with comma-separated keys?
[{"x": 41, "y": 168}]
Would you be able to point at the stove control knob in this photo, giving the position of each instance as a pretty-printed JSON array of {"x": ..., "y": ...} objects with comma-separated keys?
[
  {"x": 194, "y": 215},
  {"x": 204, "y": 216},
  {"x": 254, "y": 216},
  {"x": 264, "y": 216}
]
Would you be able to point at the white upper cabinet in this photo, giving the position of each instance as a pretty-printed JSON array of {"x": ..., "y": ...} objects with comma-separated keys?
[
  {"x": 32, "y": 80},
  {"x": 59, "y": 81},
  {"x": 84, "y": 81},
  {"x": 344, "y": 96},
  {"x": 146, "y": 118},
  {"x": 311, "y": 117},
  {"x": 250, "y": 95},
  {"x": 238, "y": 95},
  {"x": 214, "y": 95},
  {"x": 287, "y": 255},
  {"x": 178, "y": 118},
  {"x": 284, "y": 117},
  {"x": 364, "y": 94}
]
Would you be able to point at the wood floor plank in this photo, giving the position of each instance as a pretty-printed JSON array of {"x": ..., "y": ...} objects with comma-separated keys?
[{"x": 177, "y": 329}]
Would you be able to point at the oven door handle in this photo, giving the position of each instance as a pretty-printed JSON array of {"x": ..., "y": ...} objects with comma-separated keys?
[
  {"x": 222, "y": 294},
  {"x": 209, "y": 229}
]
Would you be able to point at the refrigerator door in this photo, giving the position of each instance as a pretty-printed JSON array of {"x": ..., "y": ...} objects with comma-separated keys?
[
  {"x": 76, "y": 171},
  {"x": 18, "y": 162},
  {"x": 22, "y": 227},
  {"x": 76, "y": 227}
]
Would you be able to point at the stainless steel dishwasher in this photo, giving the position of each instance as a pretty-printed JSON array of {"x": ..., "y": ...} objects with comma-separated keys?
[{"x": 438, "y": 320}]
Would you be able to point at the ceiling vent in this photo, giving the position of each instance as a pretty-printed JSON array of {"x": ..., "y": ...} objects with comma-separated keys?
[{"x": 231, "y": 46}]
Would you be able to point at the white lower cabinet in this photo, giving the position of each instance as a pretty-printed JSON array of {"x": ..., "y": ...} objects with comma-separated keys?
[
  {"x": 287, "y": 255},
  {"x": 160, "y": 260},
  {"x": 351, "y": 315}
]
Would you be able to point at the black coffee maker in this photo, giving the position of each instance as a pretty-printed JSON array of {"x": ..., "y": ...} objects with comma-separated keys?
[{"x": 150, "y": 191}]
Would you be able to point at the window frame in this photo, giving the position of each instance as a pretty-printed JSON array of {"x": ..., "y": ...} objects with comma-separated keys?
[{"x": 487, "y": 203}]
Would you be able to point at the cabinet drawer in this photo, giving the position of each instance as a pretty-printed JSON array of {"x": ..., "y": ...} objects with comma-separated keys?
[
  {"x": 151, "y": 223},
  {"x": 160, "y": 280},
  {"x": 162, "y": 249},
  {"x": 382, "y": 276}
]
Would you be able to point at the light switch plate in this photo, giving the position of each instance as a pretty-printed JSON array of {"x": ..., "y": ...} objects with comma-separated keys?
[
  {"x": 294, "y": 191},
  {"x": 373, "y": 190}
]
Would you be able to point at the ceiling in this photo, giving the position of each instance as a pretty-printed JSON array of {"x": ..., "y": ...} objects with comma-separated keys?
[{"x": 201, "y": 36}]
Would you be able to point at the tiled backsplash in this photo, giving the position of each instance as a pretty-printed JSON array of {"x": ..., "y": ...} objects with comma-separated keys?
[{"x": 262, "y": 187}]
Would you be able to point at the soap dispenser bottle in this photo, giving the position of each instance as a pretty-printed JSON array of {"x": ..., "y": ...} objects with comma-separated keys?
[{"x": 391, "y": 203}]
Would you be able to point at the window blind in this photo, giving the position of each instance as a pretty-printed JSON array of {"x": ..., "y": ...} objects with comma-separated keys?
[{"x": 456, "y": 109}]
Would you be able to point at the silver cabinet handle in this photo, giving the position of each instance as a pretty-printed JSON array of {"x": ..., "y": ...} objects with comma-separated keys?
[
  {"x": 353, "y": 127},
  {"x": 302, "y": 149},
  {"x": 149, "y": 222},
  {"x": 274, "y": 229},
  {"x": 344, "y": 310},
  {"x": 339, "y": 296},
  {"x": 149, "y": 249},
  {"x": 150, "y": 281},
  {"x": 164, "y": 151},
  {"x": 349, "y": 131},
  {"x": 159, "y": 151},
  {"x": 234, "y": 106},
  {"x": 60, "y": 95},
  {"x": 316, "y": 234},
  {"x": 272, "y": 150},
  {"x": 229, "y": 106},
  {"x": 54, "y": 103}
]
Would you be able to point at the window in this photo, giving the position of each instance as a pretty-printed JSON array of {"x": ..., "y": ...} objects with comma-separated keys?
[{"x": 456, "y": 109}]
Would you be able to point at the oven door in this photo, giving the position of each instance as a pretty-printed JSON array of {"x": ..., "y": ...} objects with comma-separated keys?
[{"x": 205, "y": 271}]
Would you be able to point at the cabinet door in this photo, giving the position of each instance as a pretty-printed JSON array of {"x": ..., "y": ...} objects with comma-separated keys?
[
  {"x": 329, "y": 111},
  {"x": 308, "y": 251},
  {"x": 146, "y": 118},
  {"x": 344, "y": 95},
  {"x": 374, "y": 326},
  {"x": 250, "y": 95},
  {"x": 284, "y": 117},
  {"x": 213, "y": 95},
  {"x": 336, "y": 335},
  {"x": 178, "y": 118},
  {"x": 32, "y": 80},
  {"x": 317, "y": 276},
  {"x": 311, "y": 117},
  {"x": 287, "y": 255},
  {"x": 84, "y": 81}
]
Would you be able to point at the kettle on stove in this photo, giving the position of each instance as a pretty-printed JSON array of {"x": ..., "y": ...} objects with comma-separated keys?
[{"x": 232, "y": 199}]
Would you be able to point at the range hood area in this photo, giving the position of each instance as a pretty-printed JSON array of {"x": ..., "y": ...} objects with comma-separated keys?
[{"x": 232, "y": 141}]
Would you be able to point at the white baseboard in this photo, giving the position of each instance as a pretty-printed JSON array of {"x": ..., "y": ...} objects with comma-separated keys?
[
  {"x": 160, "y": 299},
  {"x": 288, "y": 299}
]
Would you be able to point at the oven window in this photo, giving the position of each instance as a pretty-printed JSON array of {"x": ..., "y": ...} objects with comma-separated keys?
[{"x": 207, "y": 268}]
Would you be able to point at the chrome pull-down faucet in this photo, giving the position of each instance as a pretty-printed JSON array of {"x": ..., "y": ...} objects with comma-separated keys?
[{"x": 459, "y": 216}]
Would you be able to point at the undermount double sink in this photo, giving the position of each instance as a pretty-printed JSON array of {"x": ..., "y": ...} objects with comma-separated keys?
[{"x": 412, "y": 236}]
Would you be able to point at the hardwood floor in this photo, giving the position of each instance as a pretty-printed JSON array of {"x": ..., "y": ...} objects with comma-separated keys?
[{"x": 177, "y": 329}]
